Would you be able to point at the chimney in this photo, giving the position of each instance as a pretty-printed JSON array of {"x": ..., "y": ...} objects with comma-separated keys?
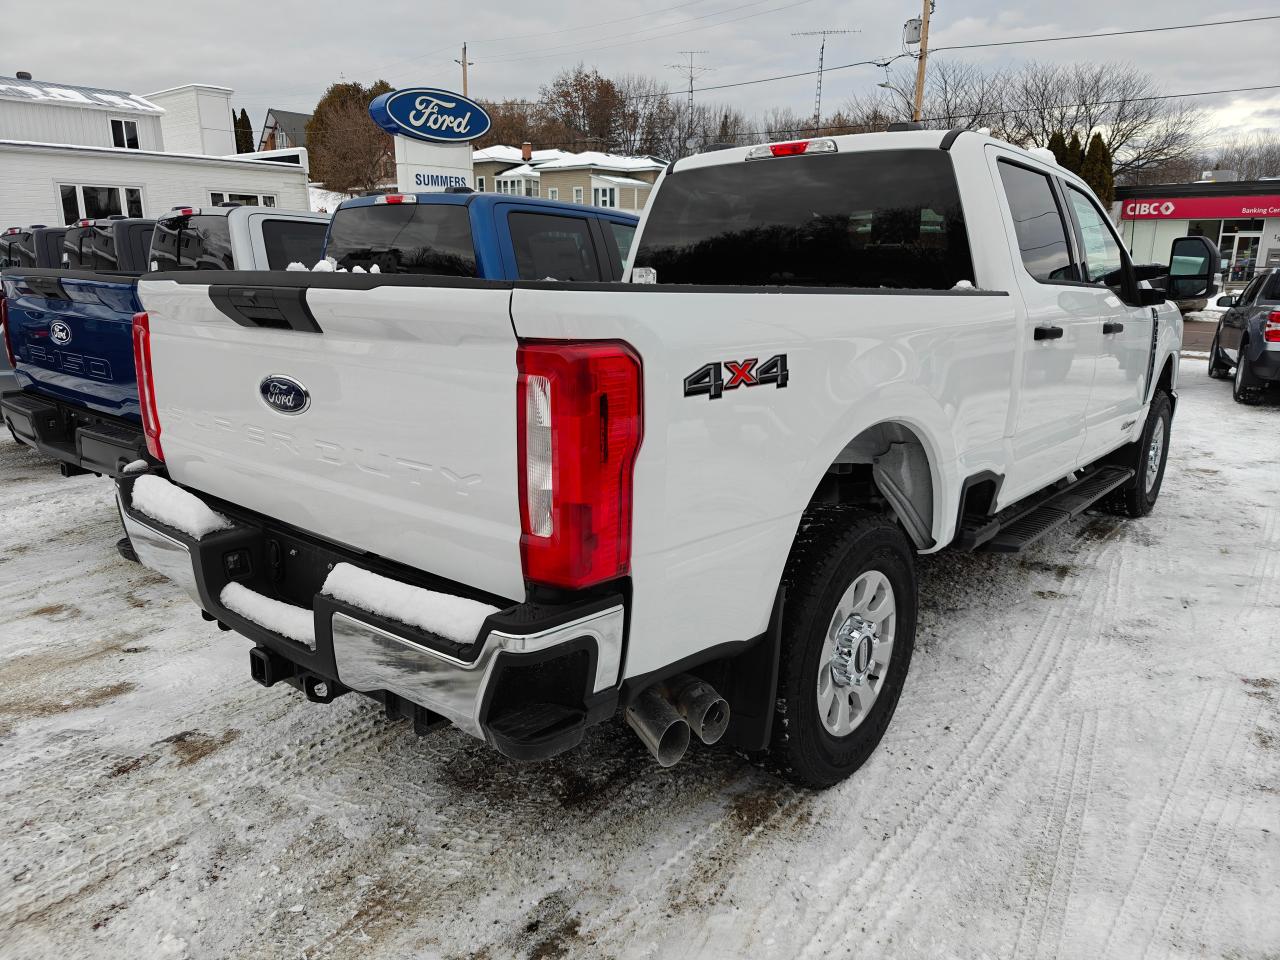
[
  {"x": 23, "y": 75},
  {"x": 526, "y": 151}
]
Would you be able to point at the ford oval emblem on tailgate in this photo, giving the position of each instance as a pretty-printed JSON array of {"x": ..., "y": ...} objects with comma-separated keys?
[{"x": 284, "y": 395}]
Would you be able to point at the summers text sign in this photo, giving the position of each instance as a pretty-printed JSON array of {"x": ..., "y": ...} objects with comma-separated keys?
[{"x": 425, "y": 113}]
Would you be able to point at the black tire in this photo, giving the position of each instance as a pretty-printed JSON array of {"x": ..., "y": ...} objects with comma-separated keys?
[
  {"x": 1138, "y": 497},
  {"x": 1217, "y": 369},
  {"x": 835, "y": 546},
  {"x": 1246, "y": 388}
]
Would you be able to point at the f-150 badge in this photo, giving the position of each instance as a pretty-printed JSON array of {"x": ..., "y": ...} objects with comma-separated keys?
[{"x": 710, "y": 380}]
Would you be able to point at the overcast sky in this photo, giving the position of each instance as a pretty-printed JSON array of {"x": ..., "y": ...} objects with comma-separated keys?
[{"x": 284, "y": 54}]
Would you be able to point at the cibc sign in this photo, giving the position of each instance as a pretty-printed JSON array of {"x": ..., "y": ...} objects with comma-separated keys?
[
  {"x": 1201, "y": 208},
  {"x": 425, "y": 113}
]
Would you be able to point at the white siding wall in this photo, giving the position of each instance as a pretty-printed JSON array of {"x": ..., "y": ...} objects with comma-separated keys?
[
  {"x": 29, "y": 178},
  {"x": 88, "y": 126},
  {"x": 197, "y": 120}
]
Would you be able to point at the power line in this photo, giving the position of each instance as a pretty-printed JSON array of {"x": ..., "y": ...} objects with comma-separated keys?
[{"x": 1111, "y": 33}]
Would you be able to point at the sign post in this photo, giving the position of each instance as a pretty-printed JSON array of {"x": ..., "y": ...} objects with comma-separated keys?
[{"x": 433, "y": 130}]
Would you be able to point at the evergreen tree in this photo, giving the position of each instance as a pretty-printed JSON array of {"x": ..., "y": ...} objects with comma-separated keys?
[
  {"x": 1075, "y": 154},
  {"x": 1097, "y": 170},
  {"x": 1058, "y": 147},
  {"x": 244, "y": 132}
]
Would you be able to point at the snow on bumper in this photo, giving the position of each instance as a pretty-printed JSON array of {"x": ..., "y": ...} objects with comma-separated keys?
[{"x": 369, "y": 632}]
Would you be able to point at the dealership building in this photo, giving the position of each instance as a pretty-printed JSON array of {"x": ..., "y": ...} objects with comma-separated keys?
[
  {"x": 68, "y": 152},
  {"x": 1241, "y": 216}
]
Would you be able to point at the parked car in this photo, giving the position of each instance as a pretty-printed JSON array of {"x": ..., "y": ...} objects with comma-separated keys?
[
  {"x": 695, "y": 498},
  {"x": 69, "y": 331},
  {"x": 489, "y": 236},
  {"x": 1248, "y": 339},
  {"x": 34, "y": 246}
]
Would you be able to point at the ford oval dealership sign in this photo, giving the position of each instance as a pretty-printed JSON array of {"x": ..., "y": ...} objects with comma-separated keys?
[{"x": 425, "y": 113}]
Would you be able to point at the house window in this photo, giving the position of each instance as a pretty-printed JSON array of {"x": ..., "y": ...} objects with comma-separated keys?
[
  {"x": 244, "y": 199},
  {"x": 531, "y": 188},
  {"x": 604, "y": 196},
  {"x": 577, "y": 194},
  {"x": 124, "y": 133},
  {"x": 87, "y": 202},
  {"x": 553, "y": 193},
  {"x": 479, "y": 184}
]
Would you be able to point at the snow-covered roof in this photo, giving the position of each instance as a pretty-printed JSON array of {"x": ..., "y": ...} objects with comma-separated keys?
[
  {"x": 504, "y": 154},
  {"x": 621, "y": 181},
  {"x": 602, "y": 161},
  {"x": 524, "y": 170},
  {"x": 69, "y": 95}
]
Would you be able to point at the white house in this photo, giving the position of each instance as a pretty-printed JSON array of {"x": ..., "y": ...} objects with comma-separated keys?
[{"x": 70, "y": 152}]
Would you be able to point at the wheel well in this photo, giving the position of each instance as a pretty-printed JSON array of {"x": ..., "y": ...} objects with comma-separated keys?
[
  {"x": 1165, "y": 382},
  {"x": 887, "y": 467}
]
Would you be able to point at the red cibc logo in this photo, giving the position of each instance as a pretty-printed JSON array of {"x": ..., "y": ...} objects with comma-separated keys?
[{"x": 709, "y": 379}]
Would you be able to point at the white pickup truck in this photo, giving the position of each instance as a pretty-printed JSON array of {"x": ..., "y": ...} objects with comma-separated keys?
[{"x": 694, "y": 499}]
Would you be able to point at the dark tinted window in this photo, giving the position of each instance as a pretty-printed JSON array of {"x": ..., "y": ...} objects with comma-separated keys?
[
  {"x": 427, "y": 238},
  {"x": 17, "y": 250},
  {"x": 888, "y": 218},
  {"x": 1042, "y": 234},
  {"x": 292, "y": 241},
  {"x": 90, "y": 248},
  {"x": 552, "y": 247},
  {"x": 1272, "y": 291},
  {"x": 192, "y": 243}
]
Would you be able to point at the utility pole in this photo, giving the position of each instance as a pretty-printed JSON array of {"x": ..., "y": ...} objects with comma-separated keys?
[
  {"x": 916, "y": 113},
  {"x": 691, "y": 72},
  {"x": 465, "y": 63},
  {"x": 822, "y": 52}
]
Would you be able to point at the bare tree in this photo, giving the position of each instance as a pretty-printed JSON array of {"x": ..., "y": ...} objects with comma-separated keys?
[
  {"x": 346, "y": 149},
  {"x": 1253, "y": 156}
]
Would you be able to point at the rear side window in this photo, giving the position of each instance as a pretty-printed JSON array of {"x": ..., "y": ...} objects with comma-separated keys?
[
  {"x": 90, "y": 248},
  {"x": 293, "y": 241},
  {"x": 884, "y": 218},
  {"x": 553, "y": 247},
  {"x": 17, "y": 250},
  {"x": 623, "y": 234},
  {"x": 431, "y": 239},
  {"x": 192, "y": 243},
  {"x": 1272, "y": 291},
  {"x": 1041, "y": 231}
]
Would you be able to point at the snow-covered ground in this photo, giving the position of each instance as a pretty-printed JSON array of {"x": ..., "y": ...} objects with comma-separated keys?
[{"x": 1085, "y": 764}]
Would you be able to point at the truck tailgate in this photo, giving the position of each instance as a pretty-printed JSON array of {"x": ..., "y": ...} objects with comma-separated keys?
[
  {"x": 72, "y": 334},
  {"x": 399, "y": 438}
]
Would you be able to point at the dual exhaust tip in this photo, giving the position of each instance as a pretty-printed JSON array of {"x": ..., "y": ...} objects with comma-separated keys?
[{"x": 668, "y": 714}]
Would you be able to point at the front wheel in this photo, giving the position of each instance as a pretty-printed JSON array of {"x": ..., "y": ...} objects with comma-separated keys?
[
  {"x": 1151, "y": 453},
  {"x": 848, "y": 632},
  {"x": 1217, "y": 369}
]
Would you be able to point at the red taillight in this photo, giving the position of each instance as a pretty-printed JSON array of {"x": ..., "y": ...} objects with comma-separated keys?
[
  {"x": 84, "y": 223},
  {"x": 580, "y": 424},
  {"x": 146, "y": 384},
  {"x": 4, "y": 331},
  {"x": 791, "y": 149},
  {"x": 1271, "y": 331}
]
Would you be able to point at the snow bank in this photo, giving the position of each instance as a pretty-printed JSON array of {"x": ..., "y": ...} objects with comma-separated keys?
[
  {"x": 279, "y": 617},
  {"x": 163, "y": 501},
  {"x": 454, "y": 618},
  {"x": 329, "y": 265}
]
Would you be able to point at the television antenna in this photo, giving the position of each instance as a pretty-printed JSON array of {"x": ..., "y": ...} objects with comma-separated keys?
[{"x": 822, "y": 51}]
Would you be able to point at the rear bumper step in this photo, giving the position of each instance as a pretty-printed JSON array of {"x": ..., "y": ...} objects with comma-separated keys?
[
  {"x": 530, "y": 682},
  {"x": 99, "y": 446}
]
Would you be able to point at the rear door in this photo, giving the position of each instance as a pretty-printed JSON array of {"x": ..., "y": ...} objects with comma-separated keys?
[
  {"x": 406, "y": 444},
  {"x": 550, "y": 245},
  {"x": 1060, "y": 334},
  {"x": 1236, "y": 318}
]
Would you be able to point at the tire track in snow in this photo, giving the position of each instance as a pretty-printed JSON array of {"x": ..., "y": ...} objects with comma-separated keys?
[{"x": 900, "y": 860}]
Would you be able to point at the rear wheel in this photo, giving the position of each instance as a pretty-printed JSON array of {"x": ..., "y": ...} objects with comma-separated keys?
[
  {"x": 1246, "y": 388},
  {"x": 848, "y": 632},
  {"x": 1217, "y": 369},
  {"x": 1151, "y": 453}
]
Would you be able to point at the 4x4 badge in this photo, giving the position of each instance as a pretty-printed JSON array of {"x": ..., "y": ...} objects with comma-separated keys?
[{"x": 708, "y": 380}]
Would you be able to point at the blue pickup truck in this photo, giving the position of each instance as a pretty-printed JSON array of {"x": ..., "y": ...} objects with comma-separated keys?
[{"x": 491, "y": 236}]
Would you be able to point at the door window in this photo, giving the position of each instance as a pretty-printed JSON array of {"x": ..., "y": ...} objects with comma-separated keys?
[
  {"x": 553, "y": 247},
  {"x": 1103, "y": 261},
  {"x": 1038, "y": 223}
]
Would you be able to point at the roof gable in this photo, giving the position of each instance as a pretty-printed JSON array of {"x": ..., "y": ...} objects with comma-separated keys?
[{"x": 69, "y": 95}]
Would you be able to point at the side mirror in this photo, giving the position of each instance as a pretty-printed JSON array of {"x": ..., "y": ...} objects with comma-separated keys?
[
  {"x": 1226, "y": 301},
  {"x": 1150, "y": 297},
  {"x": 1193, "y": 261}
]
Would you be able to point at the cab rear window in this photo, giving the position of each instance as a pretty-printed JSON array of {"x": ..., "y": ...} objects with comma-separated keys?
[
  {"x": 884, "y": 218},
  {"x": 293, "y": 241},
  {"x": 192, "y": 243},
  {"x": 90, "y": 248},
  {"x": 428, "y": 239}
]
